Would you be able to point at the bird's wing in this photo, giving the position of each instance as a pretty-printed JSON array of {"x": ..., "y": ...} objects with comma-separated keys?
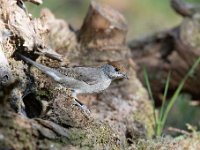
[{"x": 87, "y": 75}]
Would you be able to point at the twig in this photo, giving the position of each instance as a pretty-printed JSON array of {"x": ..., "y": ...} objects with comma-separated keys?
[{"x": 179, "y": 131}]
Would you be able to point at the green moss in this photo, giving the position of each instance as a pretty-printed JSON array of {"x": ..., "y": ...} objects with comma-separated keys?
[
  {"x": 16, "y": 137},
  {"x": 44, "y": 94},
  {"x": 145, "y": 115},
  {"x": 97, "y": 135},
  {"x": 161, "y": 143}
]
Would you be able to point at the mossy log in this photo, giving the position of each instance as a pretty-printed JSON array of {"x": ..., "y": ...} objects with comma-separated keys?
[{"x": 174, "y": 50}]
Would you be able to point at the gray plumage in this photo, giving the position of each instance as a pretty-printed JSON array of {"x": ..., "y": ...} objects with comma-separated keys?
[{"x": 81, "y": 79}]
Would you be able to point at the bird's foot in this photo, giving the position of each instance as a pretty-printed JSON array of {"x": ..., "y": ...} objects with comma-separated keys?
[{"x": 83, "y": 107}]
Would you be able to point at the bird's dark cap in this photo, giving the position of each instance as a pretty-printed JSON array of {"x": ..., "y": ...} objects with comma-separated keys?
[{"x": 118, "y": 65}]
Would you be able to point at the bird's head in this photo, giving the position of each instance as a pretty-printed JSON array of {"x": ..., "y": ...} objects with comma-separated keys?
[{"x": 113, "y": 72}]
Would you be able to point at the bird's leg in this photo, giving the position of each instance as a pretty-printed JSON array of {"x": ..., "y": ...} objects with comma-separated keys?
[
  {"x": 76, "y": 102},
  {"x": 74, "y": 94},
  {"x": 79, "y": 104}
]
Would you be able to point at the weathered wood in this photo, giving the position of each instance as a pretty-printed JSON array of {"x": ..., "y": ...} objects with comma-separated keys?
[
  {"x": 38, "y": 2},
  {"x": 103, "y": 26},
  {"x": 52, "y": 119},
  {"x": 185, "y": 9}
]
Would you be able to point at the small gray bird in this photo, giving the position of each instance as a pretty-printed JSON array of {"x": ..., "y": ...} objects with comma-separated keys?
[{"x": 81, "y": 79}]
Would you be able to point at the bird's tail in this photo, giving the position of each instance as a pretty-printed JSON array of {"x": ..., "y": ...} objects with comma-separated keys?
[{"x": 49, "y": 71}]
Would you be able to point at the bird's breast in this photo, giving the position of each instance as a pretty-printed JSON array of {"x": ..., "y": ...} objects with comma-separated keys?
[
  {"x": 103, "y": 85},
  {"x": 96, "y": 88}
]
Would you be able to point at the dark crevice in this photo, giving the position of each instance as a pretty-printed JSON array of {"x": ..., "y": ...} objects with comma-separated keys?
[
  {"x": 33, "y": 107},
  {"x": 129, "y": 137}
]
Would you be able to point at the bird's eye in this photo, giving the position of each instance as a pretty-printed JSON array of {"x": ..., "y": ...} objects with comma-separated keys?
[{"x": 116, "y": 69}]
